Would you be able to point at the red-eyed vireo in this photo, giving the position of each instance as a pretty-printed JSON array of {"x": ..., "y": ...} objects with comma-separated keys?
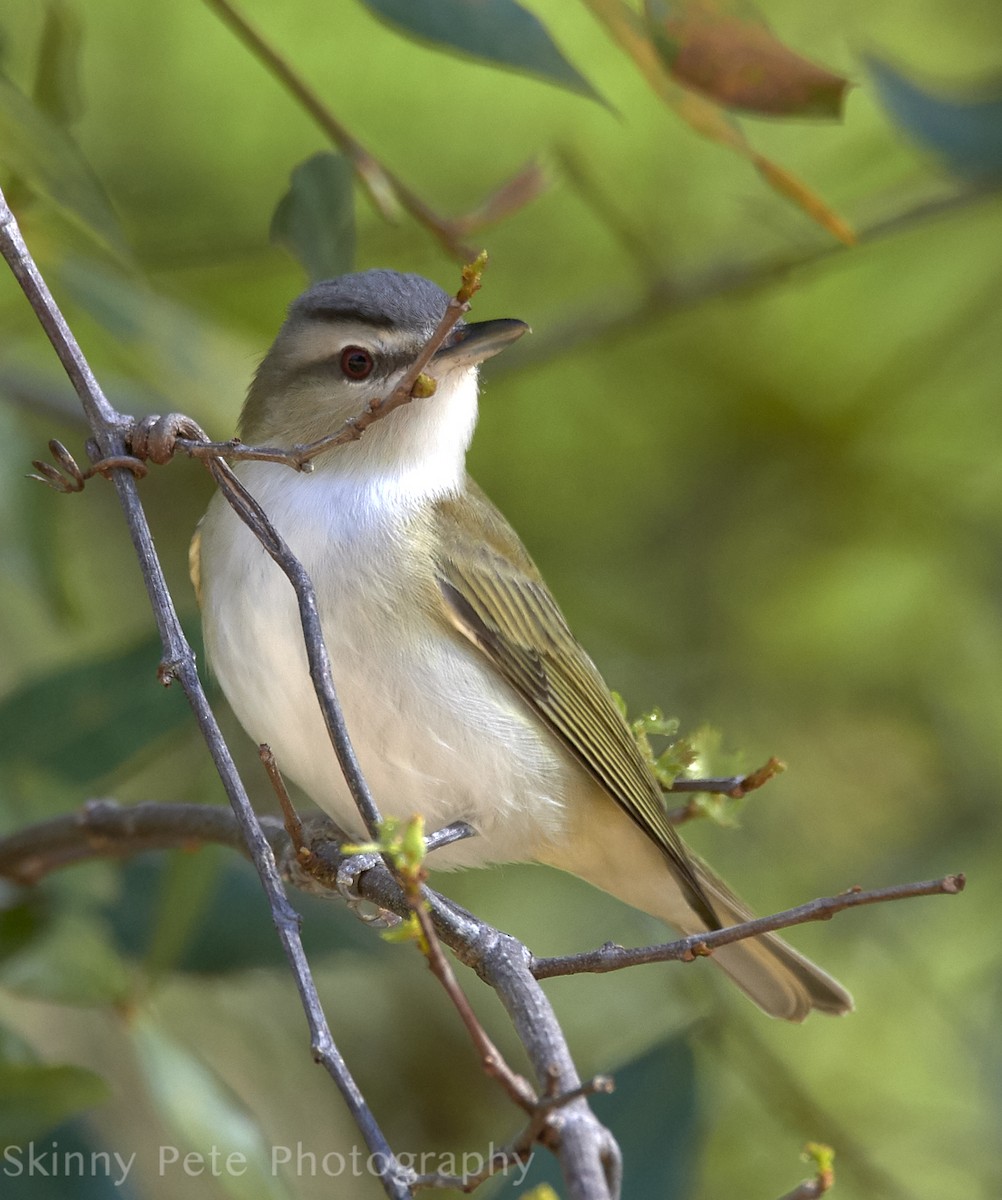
[{"x": 466, "y": 695}]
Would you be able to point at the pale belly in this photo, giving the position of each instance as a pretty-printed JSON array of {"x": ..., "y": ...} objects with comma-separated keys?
[{"x": 437, "y": 733}]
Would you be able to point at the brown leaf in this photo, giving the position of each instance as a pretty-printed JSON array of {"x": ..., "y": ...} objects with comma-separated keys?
[
  {"x": 736, "y": 60},
  {"x": 707, "y": 117},
  {"x": 512, "y": 195}
]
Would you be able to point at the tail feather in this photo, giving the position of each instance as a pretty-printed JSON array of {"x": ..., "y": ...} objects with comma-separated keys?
[
  {"x": 620, "y": 858},
  {"x": 781, "y": 982}
]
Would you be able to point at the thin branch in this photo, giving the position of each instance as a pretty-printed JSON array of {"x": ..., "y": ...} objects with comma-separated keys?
[
  {"x": 380, "y": 183},
  {"x": 104, "y": 829},
  {"x": 519, "y": 1150},
  {"x": 561, "y": 1119},
  {"x": 157, "y": 439},
  {"x": 824, "y": 1175},
  {"x": 178, "y": 663},
  {"x": 614, "y": 958},
  {"x": 810, "y": 1189},
  {"x": 253, "y": 515},
  {"x": 411, "y": 387},
  {"x": 669, "y": 294},
  {"x": 734, "y": 786},
  {"x": 587, "y": 1153},
  {"x": 493, "y": 1061},
  {"x": 107, "y": 829},
  {"x": 291, "y": 818}
]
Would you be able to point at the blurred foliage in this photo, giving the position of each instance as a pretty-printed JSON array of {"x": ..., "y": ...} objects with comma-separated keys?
[{"x": 759, "y": 470}]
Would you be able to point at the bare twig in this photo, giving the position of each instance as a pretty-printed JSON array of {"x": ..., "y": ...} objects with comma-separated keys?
[
  {"x": 519, "y": 1150},
  {"x": 253, "y": 515},
  {"x": 588, "y": 1155},
  {"x": 493, "y": 1061},
  {"x": 385, "y": 189},
  {"x": 109, "y": 428},
  {"x": 824, "y": 1176},
  {"x": 157, "y": 438},
  {"x": 810, "y": 1189},
  {"x": 614, "y": 958},
  {"x": 669, "y": 294},
  {"x": 107, "y": 829},
  {"x": 67, "y": 476},
  {"x": 293, "y": 823},
  {"x": 735, "y": 786},
  {"x": 561, "y": 1118}
]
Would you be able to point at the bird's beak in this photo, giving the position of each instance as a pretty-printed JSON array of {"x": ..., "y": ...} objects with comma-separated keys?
[{"x": 469, "y": 344}]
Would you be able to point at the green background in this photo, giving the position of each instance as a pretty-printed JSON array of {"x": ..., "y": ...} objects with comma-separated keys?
[{"x": 767, "y": 496}]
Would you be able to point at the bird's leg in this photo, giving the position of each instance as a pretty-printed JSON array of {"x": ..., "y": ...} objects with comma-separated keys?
[
  {"x": 456, "y": 832},
  {"x": 351, "y": 868},
  {"x": 349, "y": 872}
]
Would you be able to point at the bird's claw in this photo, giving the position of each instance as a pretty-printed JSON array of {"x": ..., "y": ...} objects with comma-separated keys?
[
  {"x": 458, "y": 831},
  {"x": 346, "y": 882}
]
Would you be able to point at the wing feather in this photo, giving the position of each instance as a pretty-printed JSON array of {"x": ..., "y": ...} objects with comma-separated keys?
[{"x": 494, "y": 595}]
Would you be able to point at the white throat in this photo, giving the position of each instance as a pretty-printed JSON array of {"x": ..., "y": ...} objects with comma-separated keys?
[{"x": 409, "y": 458}]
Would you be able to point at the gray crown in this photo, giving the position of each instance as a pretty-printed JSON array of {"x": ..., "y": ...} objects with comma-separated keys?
[{"x": 384, "y": 298}]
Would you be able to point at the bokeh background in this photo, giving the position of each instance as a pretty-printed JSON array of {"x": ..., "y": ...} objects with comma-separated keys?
[{"x": 760, "y": 470}]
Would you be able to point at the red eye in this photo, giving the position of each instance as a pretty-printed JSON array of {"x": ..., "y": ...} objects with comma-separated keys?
[{"x": 356, "y": 362}]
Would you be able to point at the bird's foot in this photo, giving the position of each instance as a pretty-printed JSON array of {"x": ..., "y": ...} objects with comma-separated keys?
[
  {"x": 456, "y": 832},
  {"x": 348, "y": 874}
]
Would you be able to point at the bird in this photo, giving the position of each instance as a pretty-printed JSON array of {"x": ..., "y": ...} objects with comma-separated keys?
[{"x": 465, "y": 693}]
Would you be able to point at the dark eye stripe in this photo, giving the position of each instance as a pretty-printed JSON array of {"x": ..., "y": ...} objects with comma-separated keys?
[{"x": 384, "y": 365}]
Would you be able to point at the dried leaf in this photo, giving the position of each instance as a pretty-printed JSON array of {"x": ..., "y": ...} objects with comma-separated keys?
[
  {"x": 507, "y": 199},
  {"x": 708, "y": 118},
  {"x": 725, "y": 51}
]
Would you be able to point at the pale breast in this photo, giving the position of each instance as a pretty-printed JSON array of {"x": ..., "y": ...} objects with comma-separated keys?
[{"x": 436, "y": 731}]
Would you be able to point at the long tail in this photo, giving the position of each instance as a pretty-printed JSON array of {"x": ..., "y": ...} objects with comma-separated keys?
[
  {"x": 614, "y": 854},
  {"x": 781, "y": 982}
]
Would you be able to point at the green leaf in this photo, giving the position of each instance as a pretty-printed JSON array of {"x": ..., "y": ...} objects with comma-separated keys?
[
  {"x": 654, "y": 1116},
  {"x": 57, "y": 78},
  {"x": 189, "y": 880},
  {"x": 34, "y": 1098},
  {"x": 964, "y": 129},
  {"x": 23, "y": 917},
  {"x": 44, "y": 156},
  {"x": 500, "y": 31},
  {"x": 82, "y": 722},
  {"x": 71, "y": 962},
  {"x": 207, "y": 1119},
  {"x": 315, "y": 219}
]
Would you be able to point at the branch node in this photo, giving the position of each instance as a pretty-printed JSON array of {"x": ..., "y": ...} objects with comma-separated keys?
[
  {"x": 155, "y": 439},
  {"x": 168, "y": 672}
]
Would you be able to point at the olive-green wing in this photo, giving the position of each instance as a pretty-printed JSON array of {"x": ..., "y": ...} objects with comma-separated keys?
[{"x": 495, "y": 597}]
